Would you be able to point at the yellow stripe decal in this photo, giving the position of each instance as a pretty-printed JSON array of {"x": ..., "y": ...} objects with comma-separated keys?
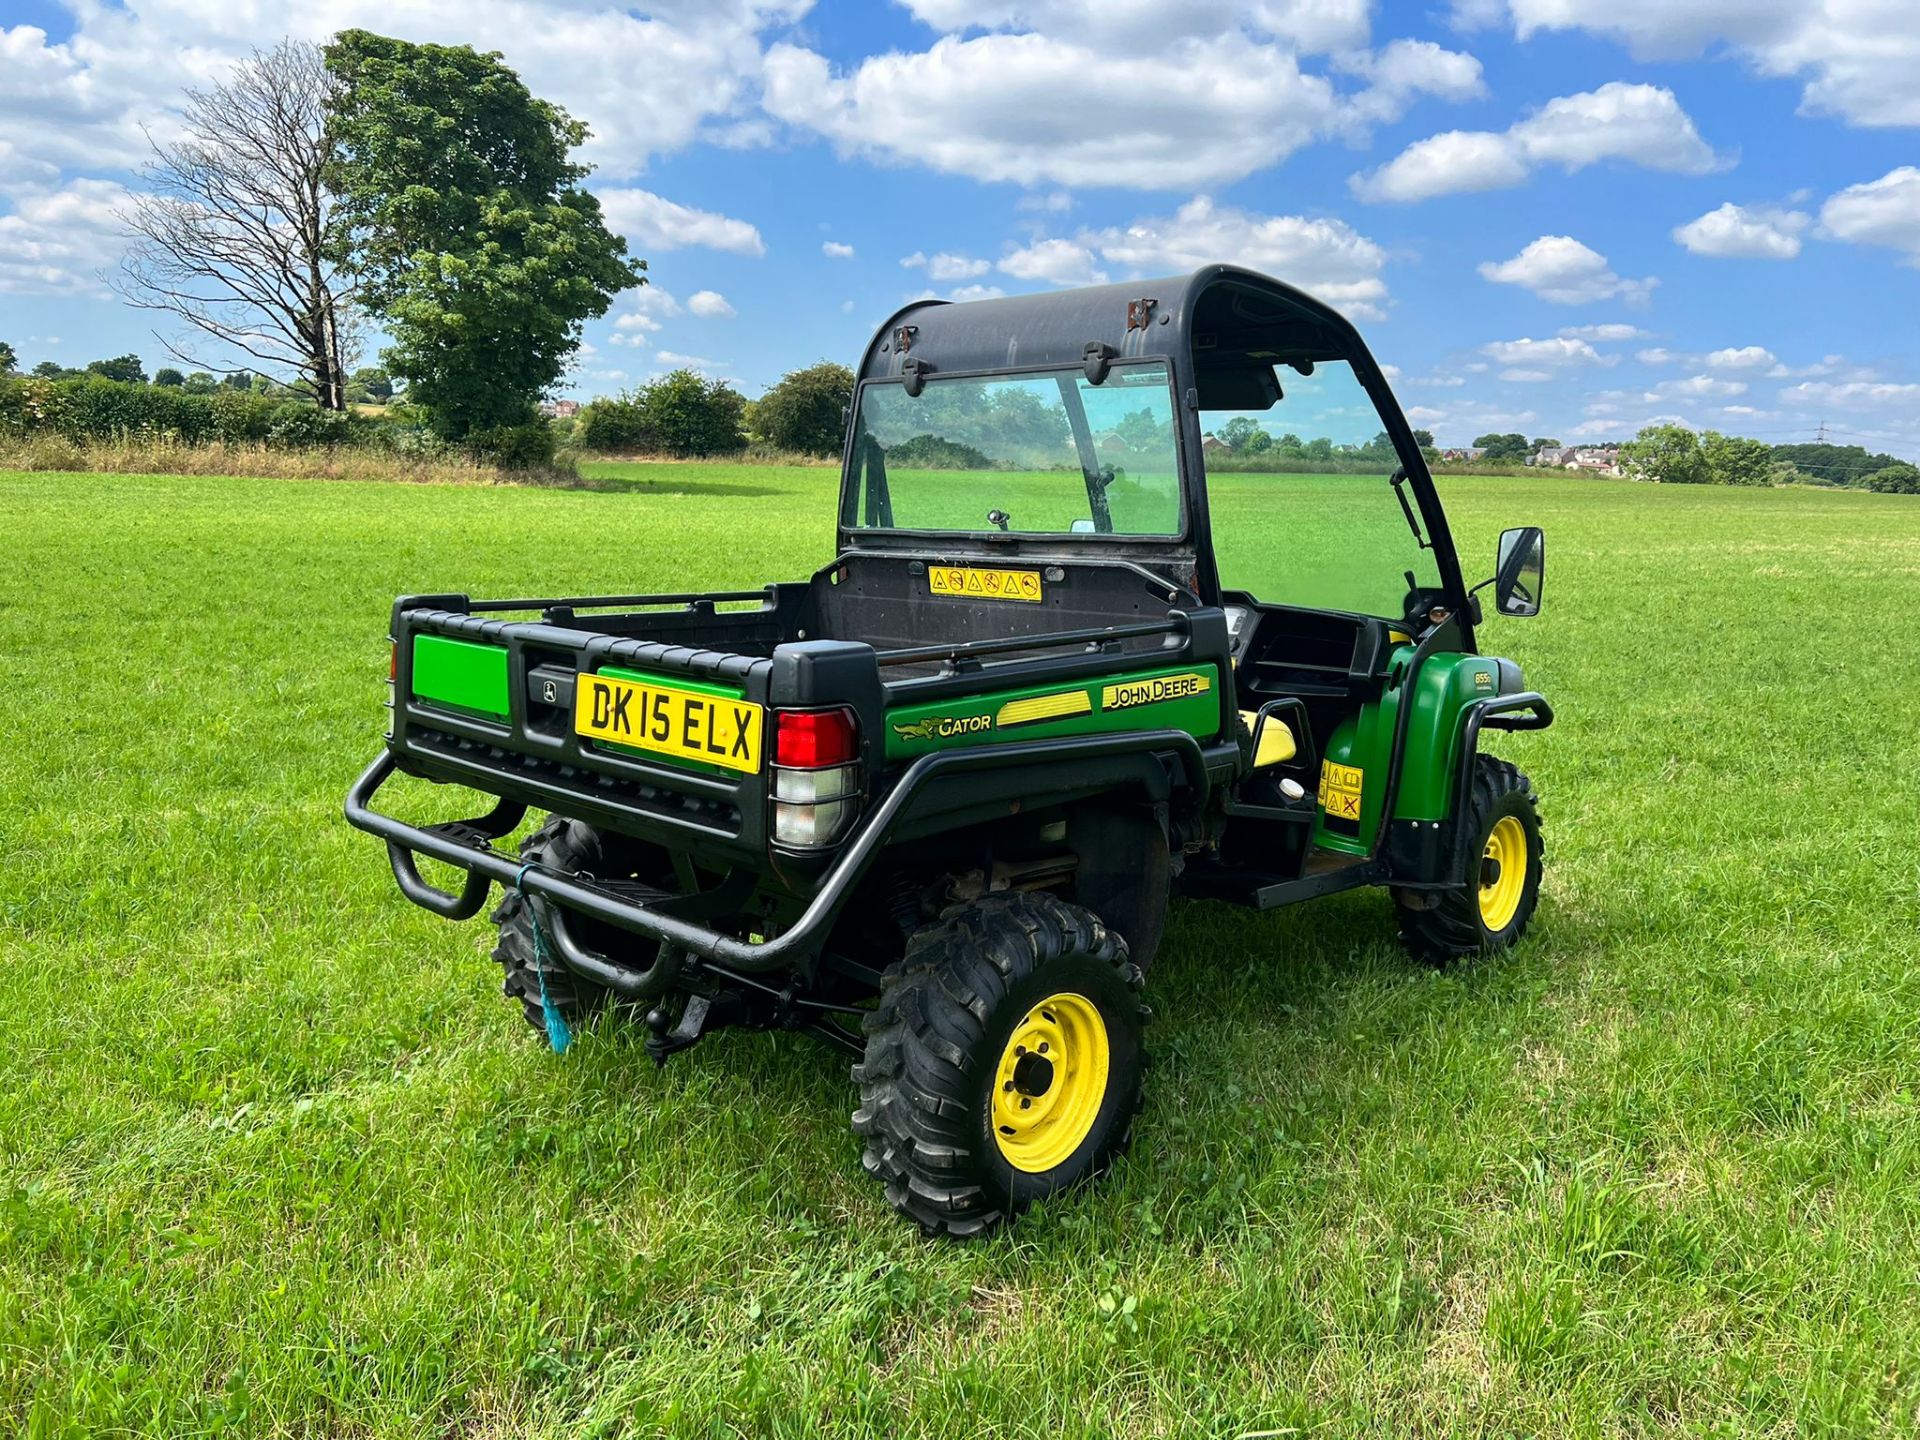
[{"x": 1036, "y": 708}]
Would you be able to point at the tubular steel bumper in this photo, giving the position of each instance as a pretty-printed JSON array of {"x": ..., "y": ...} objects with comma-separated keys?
[{"x": 468, "y": 845}]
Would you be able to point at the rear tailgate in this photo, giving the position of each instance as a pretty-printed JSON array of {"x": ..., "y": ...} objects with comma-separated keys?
[{"x": 663, "y": 741}]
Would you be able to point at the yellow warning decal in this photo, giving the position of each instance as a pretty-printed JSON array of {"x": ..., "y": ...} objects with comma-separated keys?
[
  {"x": 976, "y": 584},
  {"x": 1035, "y": 708},
  {"x": 1129, "y": 693},
  {"x": 1340, "y": 789}
]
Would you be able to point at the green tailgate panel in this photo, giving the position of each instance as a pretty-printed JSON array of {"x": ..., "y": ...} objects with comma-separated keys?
[
  {"x": 460, "y": 675},
  {"x": 1183, "y": 697}
]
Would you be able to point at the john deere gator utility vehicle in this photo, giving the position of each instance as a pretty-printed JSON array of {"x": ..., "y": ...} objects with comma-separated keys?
[{"x": 1071, "y": 656}]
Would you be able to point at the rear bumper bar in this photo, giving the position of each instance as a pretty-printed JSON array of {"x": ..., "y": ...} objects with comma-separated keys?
[{"x": 468, "y": 845}]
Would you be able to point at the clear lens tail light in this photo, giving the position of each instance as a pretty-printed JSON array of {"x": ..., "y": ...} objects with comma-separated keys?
[{"x": 816, "y": 776}]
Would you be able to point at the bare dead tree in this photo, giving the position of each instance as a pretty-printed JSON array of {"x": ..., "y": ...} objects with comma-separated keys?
[{"x": 232, "y": 235}]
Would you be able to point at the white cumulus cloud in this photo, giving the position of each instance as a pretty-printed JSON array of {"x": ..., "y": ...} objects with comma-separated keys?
[
  {"x": 1326, "y": 257},
  {"x": 835, "y": 250},
  {"x": 1635, "y": 124},
  {"x": 1881, "y": 212},
  {"x": 1530, "y": 359},
  {"x": 61, "y": 238},
  {"x": 652, "y": 222},
  {"x": 947, "y": 265},
  {"x": 1745, "y": 357},
  {"x": 1561, "y": 269},
  {"x": 1740, "y": 232},
  {"x": 1200, "y": 93},
  {"x": 1611, "y": 330},
  {"x": 711, "y": 305},
  {"x": 1058, "y": 262},
  {"x": 1858, "y": 57}
]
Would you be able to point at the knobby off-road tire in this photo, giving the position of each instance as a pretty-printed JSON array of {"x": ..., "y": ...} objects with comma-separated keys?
[
  {"x": 1491, "y": 911},
  {"x": 1003, "y": 1061},
  {"x": 570, "y": 847}
]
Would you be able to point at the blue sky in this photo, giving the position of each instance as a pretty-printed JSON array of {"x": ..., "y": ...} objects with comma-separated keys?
[{"x": 1567, "y": 217}]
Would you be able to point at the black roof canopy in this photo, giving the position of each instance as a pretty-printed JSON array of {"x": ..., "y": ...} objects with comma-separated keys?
[{"x": 1220, "y": 324}]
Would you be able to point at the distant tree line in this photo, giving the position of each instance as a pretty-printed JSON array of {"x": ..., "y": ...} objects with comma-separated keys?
[
  {"x": 686, "y": 414},
  {"x": 1675, "y": 455},
  {"x": 368, "y": 385}
]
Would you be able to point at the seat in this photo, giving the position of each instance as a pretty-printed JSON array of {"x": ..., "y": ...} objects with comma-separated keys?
[{"x": 1273, "y": 742}]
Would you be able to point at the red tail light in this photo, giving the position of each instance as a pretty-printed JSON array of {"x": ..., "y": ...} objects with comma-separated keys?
[{"x": 810, "y": 739}]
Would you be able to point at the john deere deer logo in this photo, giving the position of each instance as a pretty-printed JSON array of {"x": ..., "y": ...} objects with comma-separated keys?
[{"x": 918, "y": 730}]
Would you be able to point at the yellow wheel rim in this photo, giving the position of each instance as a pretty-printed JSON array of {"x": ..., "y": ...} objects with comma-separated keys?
[
  {"x": 1050, "y": 1081},
  {"x": 1500, "y": 896}
]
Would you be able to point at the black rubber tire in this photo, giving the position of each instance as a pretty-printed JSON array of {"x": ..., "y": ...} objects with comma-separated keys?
[
  {"x": 1453, "y": 930},
  {"x": 945, "y": 1015},
  {"x": 568, "y": 846}
]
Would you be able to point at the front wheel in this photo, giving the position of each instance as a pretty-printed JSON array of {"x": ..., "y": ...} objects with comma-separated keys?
[
  {"x": 1491, "y": 911},
  {"x": 1003, "y": 1061}
]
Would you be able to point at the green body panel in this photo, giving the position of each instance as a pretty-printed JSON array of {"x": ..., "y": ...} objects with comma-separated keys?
[
  {"x": 1448, "y": 682},
  {"x": 461, "y": 675},
  {"x": 984, "y": 719},
  {"x": 699, "y": 687}
]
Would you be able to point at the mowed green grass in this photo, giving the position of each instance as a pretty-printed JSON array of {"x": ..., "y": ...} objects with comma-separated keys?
[{"x": 279, "y": 1160}]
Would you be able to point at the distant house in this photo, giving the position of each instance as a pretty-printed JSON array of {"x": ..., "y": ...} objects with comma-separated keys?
[
  {"x": 1596, "y": 460},
  {"x": 1111, "y": 444},
  {"x": 1214, "y": 445},
  {"x": 560, "y": 409}
]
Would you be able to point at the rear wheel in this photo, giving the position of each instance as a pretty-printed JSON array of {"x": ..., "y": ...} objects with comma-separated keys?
[
  {"x": 569, "y": 847},
  {"x": 1491, "y": 911},
  {"x": 1003, "y": 1061}
]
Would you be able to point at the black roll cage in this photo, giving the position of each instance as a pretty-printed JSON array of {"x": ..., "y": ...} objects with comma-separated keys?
[{"x": 1143, "y": 320}]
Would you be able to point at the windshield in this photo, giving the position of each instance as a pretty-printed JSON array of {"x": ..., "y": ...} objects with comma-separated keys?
[
  {"x": 1044, "y": 453},
  {"x": 1302, "y": 500}
]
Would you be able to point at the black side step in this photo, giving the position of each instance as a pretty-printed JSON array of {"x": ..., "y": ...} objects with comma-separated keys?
[{"x": 1262, "y": 891}]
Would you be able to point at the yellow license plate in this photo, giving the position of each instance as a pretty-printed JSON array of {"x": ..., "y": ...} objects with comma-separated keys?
[{"x": 685, "y": 724}]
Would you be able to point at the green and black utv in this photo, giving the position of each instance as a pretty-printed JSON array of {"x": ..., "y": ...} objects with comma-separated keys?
[{"x": 1073, "y": 655}]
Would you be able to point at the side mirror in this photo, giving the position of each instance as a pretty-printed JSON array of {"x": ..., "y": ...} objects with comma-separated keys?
[{"x": 1520, "y": 571}]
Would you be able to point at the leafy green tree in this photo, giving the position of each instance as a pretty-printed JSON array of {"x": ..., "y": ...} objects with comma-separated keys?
[
  {"x": 375, "y": 381},
  {"x": 1424, "y": 439},
  {"x": 806, "y": 410},
  {"x": 465, "y": 221},
  {"x": 238, "y": 380},
  {"x": 51, "y": 370},
  {"x": 1545, "y": 442},
  {"x": 1318, "y": 448},
  {"x": 686, "y": 413},
  {"x": 8, "y": 358},
  {"x": 199, "y": 382},
  {"x": 170, "y": 377},
  {"x": 1667, "y": 454},
  {"x": 1503, "y": 449},
  {"x": 121, "y": 367},
  {"x": 1736, "y": 460},
  {"x": 1239, "y": 430},
  {"x": 1899, "y": 478},
  {"x": 1140, "y": 430}
]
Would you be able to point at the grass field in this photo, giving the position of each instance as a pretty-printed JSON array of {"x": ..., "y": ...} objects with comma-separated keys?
[{"x": 280, "y": 1161}]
